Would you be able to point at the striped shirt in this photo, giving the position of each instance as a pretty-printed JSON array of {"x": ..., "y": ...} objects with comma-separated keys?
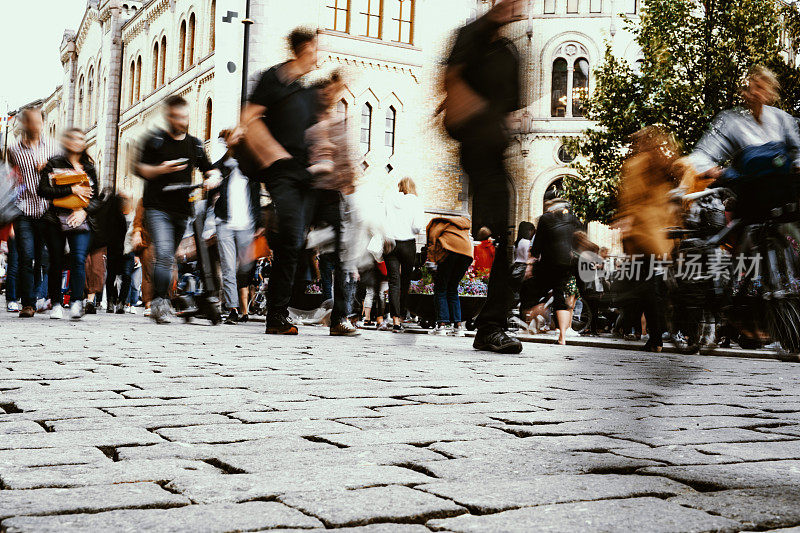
[{"x": 24, "y": 161}]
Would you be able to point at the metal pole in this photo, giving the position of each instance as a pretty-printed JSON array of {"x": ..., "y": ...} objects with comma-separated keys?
[{"x": 246, "y": 53}]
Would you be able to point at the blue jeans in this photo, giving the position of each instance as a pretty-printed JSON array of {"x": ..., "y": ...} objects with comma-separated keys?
[
  {"x": 11, "y": 271},
  {"x": 449, "y": 273},
  {"x": 166, "y": 231},
  {"x": 28, "y": 232},
  {"x": 78, "y": 248}
]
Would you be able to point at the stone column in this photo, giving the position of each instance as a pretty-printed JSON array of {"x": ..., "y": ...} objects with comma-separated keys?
[
  {"x": 111, "y": 106},
  {"x": 69, "y": 61}
]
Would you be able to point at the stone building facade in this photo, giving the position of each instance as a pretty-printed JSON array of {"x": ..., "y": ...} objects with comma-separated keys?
[{"x": 128, "y": 55}]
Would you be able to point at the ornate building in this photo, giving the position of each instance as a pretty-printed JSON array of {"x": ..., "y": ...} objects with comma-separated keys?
[{"x": 128, "y": 55}]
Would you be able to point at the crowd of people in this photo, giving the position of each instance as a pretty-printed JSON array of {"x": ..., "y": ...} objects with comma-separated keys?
[{"x": 287, "y": 189}]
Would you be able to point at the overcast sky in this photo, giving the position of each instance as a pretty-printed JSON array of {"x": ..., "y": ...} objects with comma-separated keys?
[{"x": 30, "y": 66}]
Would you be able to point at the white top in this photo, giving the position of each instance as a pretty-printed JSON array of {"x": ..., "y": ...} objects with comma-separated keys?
[
  {"x": 238, "y": 201},
  {"x": 522, "y": 251},
  {"x": 404, "y": 216}
]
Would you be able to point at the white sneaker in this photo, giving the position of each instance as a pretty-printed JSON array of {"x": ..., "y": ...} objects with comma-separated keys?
[
  {"x": 571, "y": 333},
  {"x": 57, "y": 312},
  {"x": 41, "y": 305},
  {"x": 459, "y": 331},
  {"x": 130, "y": 309},
  {"x": 76, "y": 310},
  {"x": 13, "y": 307},
  {"x": 147, "y": 312},
  {"x": 440, "y": 329}
]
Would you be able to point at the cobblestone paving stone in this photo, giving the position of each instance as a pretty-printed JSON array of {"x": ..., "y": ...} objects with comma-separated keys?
[{"x": 115, "y": 424}]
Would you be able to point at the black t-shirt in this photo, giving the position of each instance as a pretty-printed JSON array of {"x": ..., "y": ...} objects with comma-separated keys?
[
  {"x": 291, "y": 110},
  {"x": 160, "y": 147},
  {"x": 491, "y": 66},
  {"x": 554, "y": 236}
]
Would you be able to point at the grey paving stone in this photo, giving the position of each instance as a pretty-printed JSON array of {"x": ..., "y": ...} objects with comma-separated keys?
[
  {"x": 86, "y": 499},
  {"x": 24, "y": 457},
  {"x": 759, "y": 508},
  {"x": 675, "y": 455},
  {"x": 221, "y": 433},
  {"x": 99, "y": 437},
  {"x": 208, "y": 488},
  {"x": 144, "y": 421},
  {"x": 623, "y": 516},
  {"x": 699, "y": 436},
  {"x": 767, "y": 474},
  {"x": 20, "y": 426},
  {"x": 764, "y": 451},
  {"x": 495, "y": 495},
  {"x": 183, "y": 450},
  {"x": 99, "y": 473},
  {"x": 250, "y": 516},
  {"x": 534, "y": 464},
  {"x": 552, "y": 443},
  {"x": 339, "y": 508},
  {"x": 414, "y": 435}
]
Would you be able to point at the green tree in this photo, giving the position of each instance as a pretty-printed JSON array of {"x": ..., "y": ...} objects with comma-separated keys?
[{"x": 695, "y": 56}]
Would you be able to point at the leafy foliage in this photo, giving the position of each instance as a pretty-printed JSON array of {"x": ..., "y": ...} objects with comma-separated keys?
[{"x": 695, "y": 54}]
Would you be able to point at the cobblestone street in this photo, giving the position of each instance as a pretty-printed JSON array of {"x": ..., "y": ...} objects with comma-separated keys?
[{"x": 115, "y": 424}]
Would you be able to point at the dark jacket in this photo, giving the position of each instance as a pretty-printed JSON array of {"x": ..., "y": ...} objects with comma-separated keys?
[
  {"x": 226, "y": 166},
  {"x": 554, "y": 236},
  {"x": 51, "y": 192}
]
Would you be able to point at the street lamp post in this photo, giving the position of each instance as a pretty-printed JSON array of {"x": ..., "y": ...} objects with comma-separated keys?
[{"x": 246, "y": 51}]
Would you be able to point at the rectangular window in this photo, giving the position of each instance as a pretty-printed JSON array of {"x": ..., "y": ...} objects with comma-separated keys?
[
  {"x": 549, "y": 7},
  {"x": 595, "y": 6},
  {"x": 339, "y": 15},
  {"x": 632, "y": 7},
  {"x": 572, "y": 6},
  {"x": 391, "y": 119},
  {"x": 366, "y": 129},
  {"x": 402, "y": 30},
  {"x": 373, "y": 19}
]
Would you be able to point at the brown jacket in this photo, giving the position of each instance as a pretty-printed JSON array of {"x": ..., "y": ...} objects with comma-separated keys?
[
  {"x": 448, "y": 234},
  {"x": 140, "y": 225},
  {"x": 328, "y": 140},
  {"x": 644, "y": 208}
]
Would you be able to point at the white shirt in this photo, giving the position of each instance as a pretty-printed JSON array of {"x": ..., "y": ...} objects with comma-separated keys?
[
  {"x": 404, "y": 216},
  {"x": 238, "y": 201},
  {"x": 523, "y": 251}
]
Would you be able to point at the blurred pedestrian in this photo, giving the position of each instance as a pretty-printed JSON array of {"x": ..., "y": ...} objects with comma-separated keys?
[
  {"x": 119, "y": 256},
  {"x": 485, "y": 250},
  {"x": 27, "y": 158},
  {"x": 450, "y": 248},
  {"x": 483, "y": 87},
  {"x": 404, "y": 220},
  {"x": 68, "y": 224}
]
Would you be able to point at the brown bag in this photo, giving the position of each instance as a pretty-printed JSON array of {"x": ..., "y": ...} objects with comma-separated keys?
[
  {"x": 73, "y": 177},
  {"x": 258, "y": 149}
]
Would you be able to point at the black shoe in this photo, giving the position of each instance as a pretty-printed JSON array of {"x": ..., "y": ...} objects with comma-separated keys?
[
  {"x": 496, "y": 340},
  {"x": 243, "y": 318},
  {"x": 110, "y": 308},
  {"x": 280, "y": 325},
  {"x": 120, "y": 309},
  {"x": 90, "y": 308},
  {"x": 397, "y": 328},
  {"x": 233, "y": 317}
]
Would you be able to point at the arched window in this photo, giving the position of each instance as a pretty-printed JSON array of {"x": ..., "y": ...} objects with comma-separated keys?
[
  {"x": 341, "y": 110},
  {"x": 558, "y": 93},
  {"x": 139, "y": 78},
  {"x": 155, "y": 66},
  {"x": 209, "y": 109},
  {"x": 570, "y": 81},
  {"x": 98, "y": 105},
  {"x": 79, "y": 118},
  {"x": 162, "y": 76},
  {"x": 365, "y": 140},
  {"x": 580, "y": 86},
  {"x": 132, "y": 83},
  {"x": 182, "y": 50},
  {"x": 90, "y": 99},
  {"x": 391, "y": 119},
  {"x": 213, "y": 31},
  {"x": 190, "y": 44}
]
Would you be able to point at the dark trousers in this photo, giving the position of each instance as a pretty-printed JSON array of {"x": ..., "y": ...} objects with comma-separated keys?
[
  {"x": 327, "y": 265},
  {"x": 652, "y": 298},
  {"x": 78, "y": 248},
  {"x": 118, "y": 264},
  {"x": 483, "y": 144},
  {"x": 29, "y": 234},
  {"x": 288, "y": 184},
  {"x": 326, "y": 208},
  {"x": 399, "y": 264},
  {"x": 166, "y": 231},
  {"x": 12, "y": 267},
  {"x": 449, "y": 273}
]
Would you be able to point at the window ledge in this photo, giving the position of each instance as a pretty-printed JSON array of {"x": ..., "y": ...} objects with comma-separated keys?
[{"x": 384, "y": 42}]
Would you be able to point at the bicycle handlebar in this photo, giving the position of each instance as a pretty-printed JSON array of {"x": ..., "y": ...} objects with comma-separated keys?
[{"x": 701, "y": 194}]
